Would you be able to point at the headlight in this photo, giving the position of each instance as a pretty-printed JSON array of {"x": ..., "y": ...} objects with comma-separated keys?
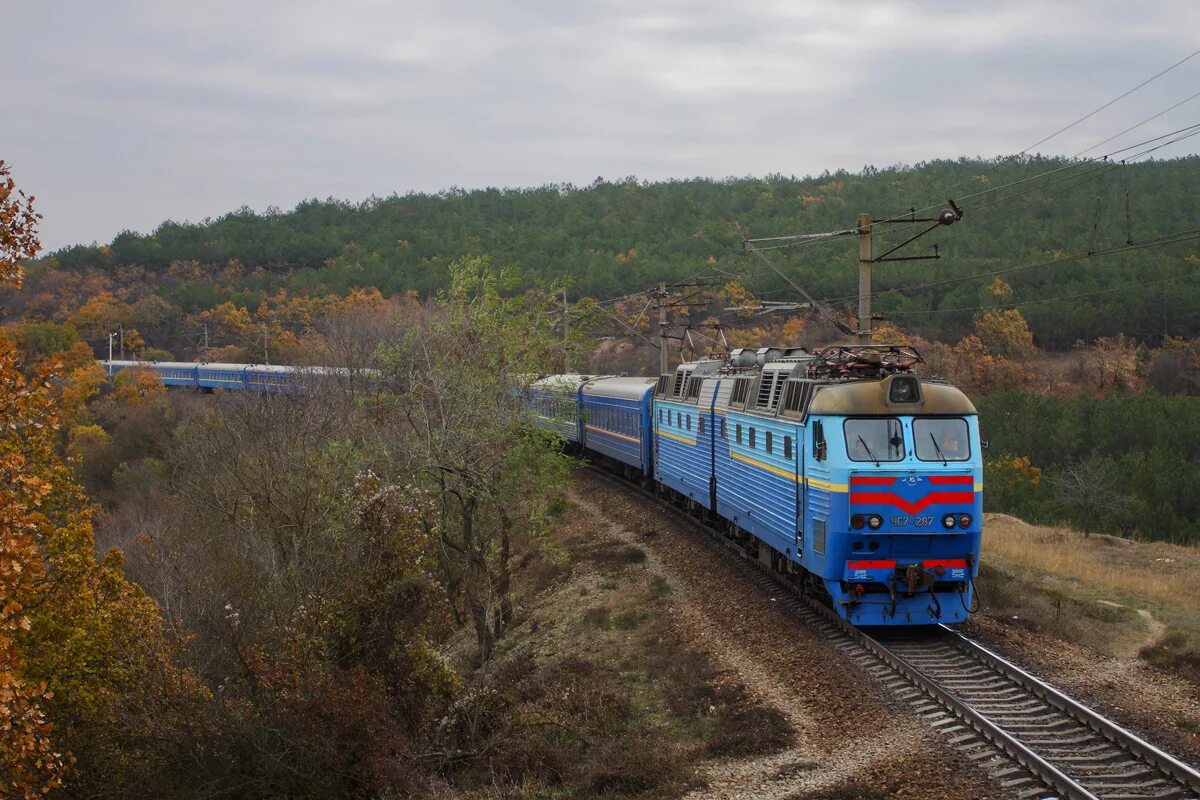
[
  {"x": 964, "y": 521},
  {"x": 875, "y": 521},
  {"x": 948, "y": 521}
]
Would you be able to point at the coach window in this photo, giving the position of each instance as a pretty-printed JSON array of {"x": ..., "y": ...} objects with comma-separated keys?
[
  {"x": 738, "y": 433},
  {"x": 787, "y": 447},
  {"x": 878, "y": 439},
  {"x": 751, "y": 437},
  {"x": 768, "y": 442}
]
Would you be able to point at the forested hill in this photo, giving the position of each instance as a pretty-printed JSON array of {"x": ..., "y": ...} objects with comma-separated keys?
[{"x": 614, "y": 237}]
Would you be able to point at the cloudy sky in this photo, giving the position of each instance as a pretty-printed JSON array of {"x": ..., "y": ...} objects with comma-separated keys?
[{"x": 121, "y": 114}]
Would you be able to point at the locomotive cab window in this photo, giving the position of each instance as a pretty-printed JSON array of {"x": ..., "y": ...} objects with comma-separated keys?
[
  {"x": 941, "y": 439},
  {"x": 876, "y": 439}
]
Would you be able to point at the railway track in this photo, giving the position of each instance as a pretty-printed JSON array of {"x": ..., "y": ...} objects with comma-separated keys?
[{"x": 1034, "y": 740}]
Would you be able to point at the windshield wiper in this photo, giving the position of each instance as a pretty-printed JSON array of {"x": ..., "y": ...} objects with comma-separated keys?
[
  {"x": 872, "y": 455},
  {"x": 933, "y": 439}
]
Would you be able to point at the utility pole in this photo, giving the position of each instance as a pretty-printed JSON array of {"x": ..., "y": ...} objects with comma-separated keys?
[
  {"x": 866, "y": 258},
  {"x": 121, "y": 332},
  {"x": 110, "y": 340},
  {"x": 566, "y": 333},
  {"x": 204, "y": 357},
  {"x": 663, "y": 355}
]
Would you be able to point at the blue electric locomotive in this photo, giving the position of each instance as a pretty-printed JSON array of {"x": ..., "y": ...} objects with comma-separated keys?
[{"x": 842, "y": 470}]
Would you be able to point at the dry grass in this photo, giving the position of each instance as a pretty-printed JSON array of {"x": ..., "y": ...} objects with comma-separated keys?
[
  {"x": 1156, "y": 572},
  {"x": 593, "y": 692}
]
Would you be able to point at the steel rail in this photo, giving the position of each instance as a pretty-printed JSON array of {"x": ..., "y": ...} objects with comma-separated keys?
[
  {"x": 978, "y": 721},
  {"x": 1008, "y": 745},
  {"x": 1110, "y": 730}
]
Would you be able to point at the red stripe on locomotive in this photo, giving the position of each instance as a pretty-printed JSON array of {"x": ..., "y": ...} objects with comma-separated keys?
[{"x": 913, "y": 507}]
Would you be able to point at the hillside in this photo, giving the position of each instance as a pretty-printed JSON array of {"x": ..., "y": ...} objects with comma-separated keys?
[{"x": 614, "y": 237}]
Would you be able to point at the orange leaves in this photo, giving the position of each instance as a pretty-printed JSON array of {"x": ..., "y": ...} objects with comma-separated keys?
[
  {"x": 29, "y": 764},
  {"x": 18, "y": 228}
]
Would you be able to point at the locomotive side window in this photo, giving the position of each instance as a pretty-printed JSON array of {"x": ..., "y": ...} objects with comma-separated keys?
[
  {"x": 768, "y": 441},
  {"x": 787, "y": 447},
  {"x": 937, "y": 439},
  {"x": 876, "y": 440},
  {"x": 724, "y": 429},
  {"x": 739, "y": 433},
  {"x": 689, "y": 422},
  {"x": 700, "y": 425},
  {"x": 752, "y": 438}
]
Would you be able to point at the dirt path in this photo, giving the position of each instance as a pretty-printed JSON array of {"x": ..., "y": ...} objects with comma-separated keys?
[
  {"x": 851, "y": 737},
  {"x": 1155, "y": 631}
]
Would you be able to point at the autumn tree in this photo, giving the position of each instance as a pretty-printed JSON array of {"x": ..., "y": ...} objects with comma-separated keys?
[
  {"x": 455, "y": 385},
  {"x": 84, "y": 657},
  {"x": 29, "y": 762}
]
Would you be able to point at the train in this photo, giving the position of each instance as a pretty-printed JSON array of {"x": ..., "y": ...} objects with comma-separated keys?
[
  {"x": 842, "y": 470},
  {"x": 271, "y": 378}
]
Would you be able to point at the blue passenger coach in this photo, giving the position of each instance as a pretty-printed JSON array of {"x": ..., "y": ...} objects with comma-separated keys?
[
  {"x": 616, "y": 420},
  {"x": 555, "y": 402},
  {"x": 270, "y": 378}
]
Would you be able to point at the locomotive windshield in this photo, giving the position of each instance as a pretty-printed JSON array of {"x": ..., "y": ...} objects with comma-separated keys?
[
  {"x": 876, "y": 439},
  {"x": 941, "y": 439}
]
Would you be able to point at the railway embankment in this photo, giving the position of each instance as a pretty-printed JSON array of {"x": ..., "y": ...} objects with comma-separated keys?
[
  {"x": 846, "y": 736},
  {"x": 1111, "y": 621}
]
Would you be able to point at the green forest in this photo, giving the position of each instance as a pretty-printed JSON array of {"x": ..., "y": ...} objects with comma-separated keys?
[
  {"x": 1124, "y": 464},
  {"x": 619, "y": 236}
]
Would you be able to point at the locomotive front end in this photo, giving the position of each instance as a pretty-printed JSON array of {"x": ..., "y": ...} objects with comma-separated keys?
[{"x": 903, "y": 500}]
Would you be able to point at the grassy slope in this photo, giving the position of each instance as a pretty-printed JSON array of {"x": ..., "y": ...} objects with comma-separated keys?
[
  {"x": 1119, "y": 597},
  {"x": 594, "y": 693}
]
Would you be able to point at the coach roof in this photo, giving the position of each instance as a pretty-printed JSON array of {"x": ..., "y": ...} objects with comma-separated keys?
[{"x": 630, "y": 388}]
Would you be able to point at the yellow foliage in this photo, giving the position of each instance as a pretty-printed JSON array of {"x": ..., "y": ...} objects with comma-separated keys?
[
  {"x": 739, "y": 295},
  {"x": 82, "y": 384},
  {"x": 886, "y": 332},
  {"x": 1014, "y": 471},
  {"x": 1000, "y": 288},
  {"x": 1004, "y": 333},
  {"x": 793, "y": 329},
  {"x": 84, "y": 439},
  {"x": 138, "y": 386}
]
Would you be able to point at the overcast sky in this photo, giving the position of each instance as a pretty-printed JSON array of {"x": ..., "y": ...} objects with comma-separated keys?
[{"x": 120, "y": 114}]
